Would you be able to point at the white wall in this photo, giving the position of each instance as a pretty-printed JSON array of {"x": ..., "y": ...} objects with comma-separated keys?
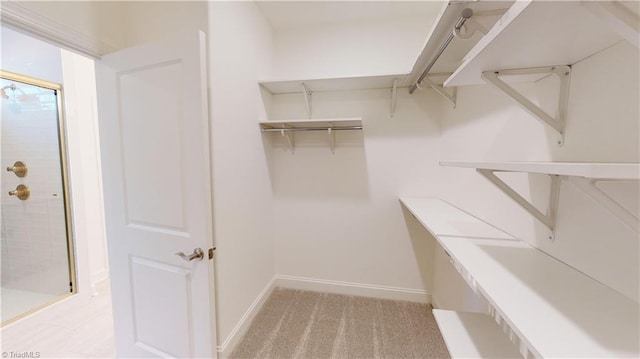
[
  {"x": 339, "y": 224},
  {"x": 239, "y": 54},
  {"x": 602, "y": 126},
  {"x": 338, "y": 218},
  {"x": 349, "y": 49},
  {"x": 25, "y": 55},
  {"x": 144, "y": 21}
]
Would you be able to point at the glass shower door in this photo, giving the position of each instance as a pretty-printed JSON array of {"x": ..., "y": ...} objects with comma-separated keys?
[{"x": 37, "y": 252}]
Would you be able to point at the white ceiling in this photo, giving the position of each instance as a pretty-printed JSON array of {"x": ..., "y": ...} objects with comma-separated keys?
[{"x": 292, "y": 14}]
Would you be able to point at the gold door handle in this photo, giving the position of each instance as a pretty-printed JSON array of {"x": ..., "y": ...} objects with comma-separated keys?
[
  {"x": 197, "y": 254},
  {"x": 19, "y": 168},
  {"x": 22, "y": 192}
]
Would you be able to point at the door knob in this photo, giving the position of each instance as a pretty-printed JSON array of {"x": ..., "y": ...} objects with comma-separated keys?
[
  {"x": 197, "y": 254},
  {"x": 22, "y": 192},
  {"x": 19, "y": 168}
]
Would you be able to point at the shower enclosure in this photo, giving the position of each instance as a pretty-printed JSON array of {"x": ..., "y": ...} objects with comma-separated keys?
[{"x": 37, "y": 248}]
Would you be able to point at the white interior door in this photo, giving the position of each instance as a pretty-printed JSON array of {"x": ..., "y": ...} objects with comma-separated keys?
[{"x": 154, "y": 139}]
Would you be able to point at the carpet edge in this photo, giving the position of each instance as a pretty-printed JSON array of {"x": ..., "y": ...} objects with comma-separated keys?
[
  {"x": 244, "y": 323},
  {"x": 356, "y": 289}
]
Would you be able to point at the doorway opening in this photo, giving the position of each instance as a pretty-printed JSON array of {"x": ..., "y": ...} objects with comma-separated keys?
[
  {"x": 41, "y": 265},
  {"x": 38, "y": 265}
]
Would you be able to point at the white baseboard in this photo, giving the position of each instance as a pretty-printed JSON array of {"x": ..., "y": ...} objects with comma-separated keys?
[
  {"x": 241, "y": 328},
  {"x": 435, "y": 303},
  {"x": 97, "y": 278},
  {"x": 357, "y": 289},
  {"x": 100, "y": 276}
]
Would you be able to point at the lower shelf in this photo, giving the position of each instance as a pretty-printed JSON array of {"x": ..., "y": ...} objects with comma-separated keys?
[
  {"x": 473, "y": 335},
  {"x": 555, "y": 310}
]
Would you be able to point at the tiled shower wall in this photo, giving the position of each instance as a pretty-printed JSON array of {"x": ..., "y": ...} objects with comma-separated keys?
[{"x": 34, "y": 243}]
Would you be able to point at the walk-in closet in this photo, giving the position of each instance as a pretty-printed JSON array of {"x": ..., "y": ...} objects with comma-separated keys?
[{"x": 329, "y": 179}]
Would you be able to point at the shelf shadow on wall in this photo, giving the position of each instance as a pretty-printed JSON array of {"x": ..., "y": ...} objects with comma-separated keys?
[
  {"x": 313, "y": 171},
  {"x": 424, "y": 246}
]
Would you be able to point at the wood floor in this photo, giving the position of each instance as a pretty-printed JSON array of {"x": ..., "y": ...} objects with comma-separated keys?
[{"x": 83, "y": 333}]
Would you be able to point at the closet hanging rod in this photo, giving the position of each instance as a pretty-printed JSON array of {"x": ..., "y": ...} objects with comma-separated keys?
[
  {"x": 464, "y": 15},
  {"x": 346, "y": 128}
]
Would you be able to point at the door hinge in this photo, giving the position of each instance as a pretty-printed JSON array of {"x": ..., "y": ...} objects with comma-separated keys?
[{"x": 211, "y": 250}]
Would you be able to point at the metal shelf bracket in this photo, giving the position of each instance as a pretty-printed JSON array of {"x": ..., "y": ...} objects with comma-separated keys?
[
  {"x": 548, "y": 219},
  {"x": 451, "y": 97},
  {"x": 332, "y": 138},
  {"x": 307, "y": 99},
  {"x": 290, "y": 137},
  {"x": 394, "y": 96},
  {"x": 469, "y": 28},
  {"x": 564, "y": 74}
]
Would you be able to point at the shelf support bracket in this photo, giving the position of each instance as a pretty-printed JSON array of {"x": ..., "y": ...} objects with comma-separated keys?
[
  {"x": 563, "y": 73},
  {"x": 469, "y": 28},
  {"x": 394, "y": 96},
  {"x": 548, "y": 219},
  {"x": 332, "y": 138},
  {"x": 307, "y": 99},
  {"x": 589, "y": 186},
  {"x": 451, "y": 97},
  {"x": 290, "y": 137}
]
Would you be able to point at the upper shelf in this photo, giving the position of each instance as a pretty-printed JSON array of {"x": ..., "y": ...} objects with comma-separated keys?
[
  {"x": 456, "y": 50},
  {"x": 536, "y": 34},
  {"x": 334, "y": 84},
  {"x": 557, "y": 311},
  {"x": 620, "y": 171}
]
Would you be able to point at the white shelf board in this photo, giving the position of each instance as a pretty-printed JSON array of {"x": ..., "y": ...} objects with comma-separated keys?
[
  {"x": 324, "y": 122},
  {"x": 442, "y": 219},
  {"x": 334, "y": 84},
  {"x": 473, "y": 335},
  {"x": 557, "y": 311},
  {"x": 554, "y": 309},
  {"x": 535, "y": 34},
  {"x": 619, "y": 171},
  {"x": 451, "y": 57}
]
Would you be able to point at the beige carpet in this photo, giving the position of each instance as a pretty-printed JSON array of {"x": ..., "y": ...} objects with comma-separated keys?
[{"x": 301, "y": 324}]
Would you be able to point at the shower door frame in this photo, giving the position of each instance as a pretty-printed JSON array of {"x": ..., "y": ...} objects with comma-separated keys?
[{"x": 66, "y": 193}]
